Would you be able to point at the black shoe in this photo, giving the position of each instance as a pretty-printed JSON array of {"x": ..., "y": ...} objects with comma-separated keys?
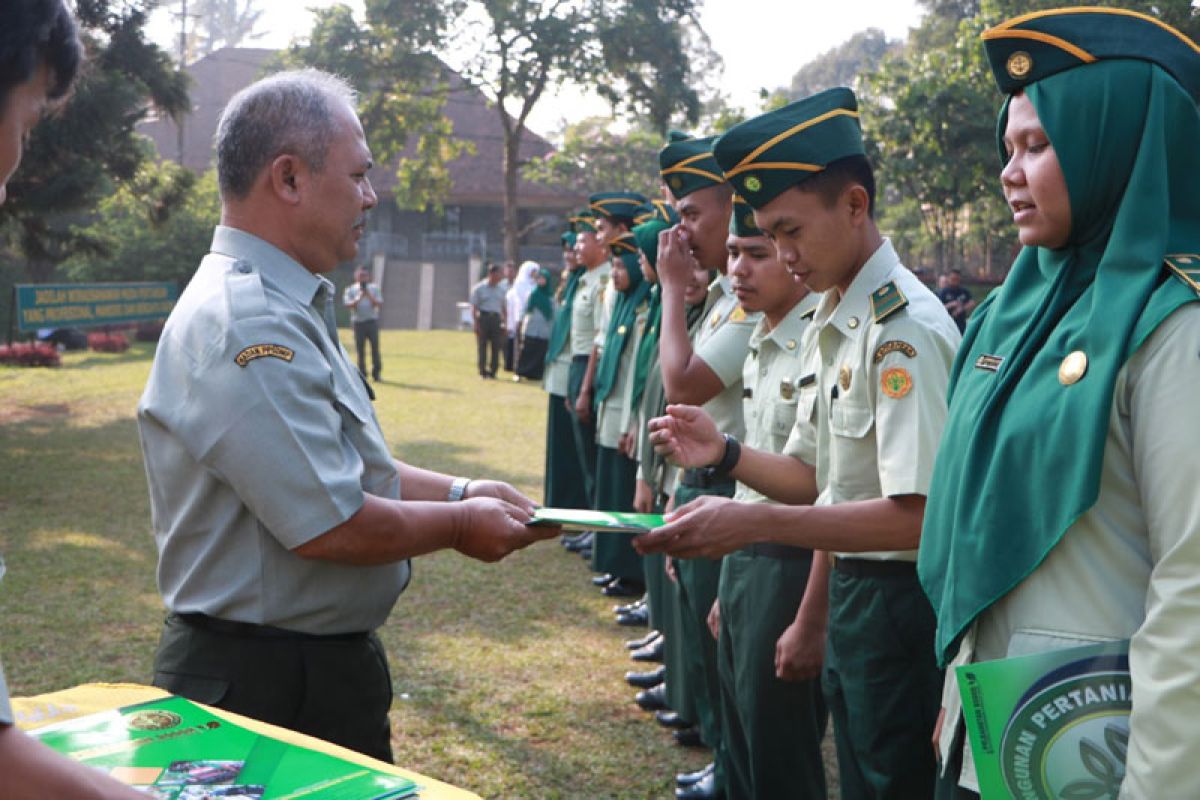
[
  {"x": 628, "y": 607},
  {"x": 703, "y": 789},
  {"x": 652, "y": 652},
  {"x": 653, "y": 699},
  {"x": 641, "y": 617},
  {"x": 646, "y": 680},
  {"x": 687, "y": 737},
  {"x": 625, "y": 587},
  {"x": 669, "y": 719},
  {"x": 685, "y": 779},
  {"x": 635, "y": 644},
  {"x": 573, "y": 541},
  {"x": 585, "y": 552},
  {"x": 603, "y": 580}
]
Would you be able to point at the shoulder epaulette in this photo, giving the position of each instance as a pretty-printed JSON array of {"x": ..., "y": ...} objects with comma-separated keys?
[
  {"x": 887, "y": 300},
  {"x": 812, "y": 312},
  {"x": 1186, "y": 267}
]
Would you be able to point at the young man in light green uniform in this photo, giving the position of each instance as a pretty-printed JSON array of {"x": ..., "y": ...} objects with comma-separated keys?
[
  {"x": 772, "y": 617},
  {"x": 882, "y": 347},
  {"x": 706, "y": 369}
]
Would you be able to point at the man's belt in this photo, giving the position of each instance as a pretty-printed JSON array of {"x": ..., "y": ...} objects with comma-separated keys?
[
  {"x": 783, "y": 552},
  {"x": 249, "y": 630},
  {"x": 869, "y": 568},
  {"x": 704, "y": 478}
]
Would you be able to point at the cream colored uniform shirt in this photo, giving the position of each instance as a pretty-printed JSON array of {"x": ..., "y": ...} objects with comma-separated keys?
[
  {"x": 612, "y": 418},
  {"x": 880, "y": 397},
  {"x": 587, "y": 312},
  {"x": 771, "y": 374},
  {"x": 1129, "y": 568}
]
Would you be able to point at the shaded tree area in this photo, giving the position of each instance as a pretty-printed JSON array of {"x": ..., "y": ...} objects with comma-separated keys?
[
  {"x": 593, "y": 157},
  {"x": 841, "y": 65},
  {"x": 78, "y": 155}
]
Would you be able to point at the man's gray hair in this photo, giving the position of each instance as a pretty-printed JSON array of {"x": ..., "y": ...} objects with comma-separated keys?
[{"x": 285, "y": 113}]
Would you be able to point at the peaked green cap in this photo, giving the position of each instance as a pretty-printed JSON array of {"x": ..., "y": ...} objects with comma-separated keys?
[
  {"x": 616, "y": 205},
  {"x": 741, "y": 223},
  {"x": 1030, "y": 47},
  {"x": 687, "y": 164},
  {"x": 764, "y": 156}
]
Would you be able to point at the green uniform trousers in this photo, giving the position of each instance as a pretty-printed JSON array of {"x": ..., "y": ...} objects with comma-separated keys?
[
  {"x": 563, "y": 485},
  {"x": 696, "y": 649},
  {"x": 585, "y": 435},
  {"x": 772, "y": 729},
  {"x": 613, "y": 553},
  {"x": 336, "y": 688},
  {"x": 881, "y": 682}
]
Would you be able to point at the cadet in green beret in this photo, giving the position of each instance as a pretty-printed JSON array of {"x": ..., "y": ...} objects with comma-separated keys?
[
  {"x": 772, "y": 616},
  {"x": 616, "y": 471},
  {"x": 1072, "y": 397},
  {"x": 587, "y": 316},
  {"x": 882, "y": 345},
  {"x": 705, "y": 369},
  {"x": 563, "y": 485}
]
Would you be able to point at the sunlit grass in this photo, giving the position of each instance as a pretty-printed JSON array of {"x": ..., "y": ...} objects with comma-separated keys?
[{"x": 507, "y": 676}]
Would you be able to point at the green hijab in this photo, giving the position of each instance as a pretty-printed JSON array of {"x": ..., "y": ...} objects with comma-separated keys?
[
  {"x": 1021, "y": 454},
  {"x": 541, "y": 299},
  {"x": 562, "y": 320},
  {"x": 620, "y": 327}
]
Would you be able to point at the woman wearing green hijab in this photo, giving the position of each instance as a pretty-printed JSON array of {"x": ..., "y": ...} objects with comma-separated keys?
[
  {"x": 1065, "y": 508},
  {"x": 616, "y": 472},
  {"x": 536, "y": 325}
]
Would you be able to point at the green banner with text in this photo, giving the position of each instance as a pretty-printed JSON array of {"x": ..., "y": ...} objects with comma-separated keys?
[{"x": 82, "y": 305}]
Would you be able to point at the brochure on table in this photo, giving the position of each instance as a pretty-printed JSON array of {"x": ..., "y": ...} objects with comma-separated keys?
[
  {"x": 574, "y": 519},
  {"x": 1049, "y": 725},
  {"x": 172, "y": 749}
]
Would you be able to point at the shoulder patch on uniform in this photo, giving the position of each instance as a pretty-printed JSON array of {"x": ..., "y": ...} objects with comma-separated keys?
[
  {"x": 894, "y": 346},
  {"x": 1186, "y": 267},
  {"x": 737, "y": 315},
  {"x": 886, "y": 301},
  {"x": 812, "y": 312},
  {"x": 263, "y": 351},
  {"x": 896, "y": 382}
]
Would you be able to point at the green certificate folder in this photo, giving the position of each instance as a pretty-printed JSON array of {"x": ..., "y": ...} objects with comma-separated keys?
[
  {"x": 574, "y": 519},
  {"x": 1049, "y": 725},
  {"x": 172, "y": 749}
]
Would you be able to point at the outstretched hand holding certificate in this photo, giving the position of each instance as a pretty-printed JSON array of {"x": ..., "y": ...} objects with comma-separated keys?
[{"x": 575, "y": 519}]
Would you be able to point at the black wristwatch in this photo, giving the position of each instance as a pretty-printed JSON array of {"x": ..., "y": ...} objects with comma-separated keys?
[{"x": 733, "y": 453}]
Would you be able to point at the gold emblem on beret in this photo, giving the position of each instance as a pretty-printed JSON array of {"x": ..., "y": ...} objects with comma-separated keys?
[
  {"x": 896, "y": 382},
  {"x": 676, "y": 182},
  {"x": 753, "y": 184},
  {"x": 748, "y": 220},
  {"x": 844, "y": 378},
  {"x": 1072, "y": 368},
  {"x": 1019, "y": 64}
]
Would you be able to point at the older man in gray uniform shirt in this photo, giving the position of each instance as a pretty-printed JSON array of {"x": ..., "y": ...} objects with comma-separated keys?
[{"x": 284, "y": 525}]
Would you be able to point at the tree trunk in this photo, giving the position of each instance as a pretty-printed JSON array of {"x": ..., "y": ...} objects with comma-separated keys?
[{"x": 512, "y": 150}]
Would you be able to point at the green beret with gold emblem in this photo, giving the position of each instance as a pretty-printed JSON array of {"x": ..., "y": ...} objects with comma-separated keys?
[
  {"x": 687, "y": 164},
  {"x": 583, "y": 221},
  {"x": 1033, "y": 46},
  {"x": 764, "y": 156},
  {"x": 620, "y": 206},
  {"x": 625, "y": 247},
  {"x": 742, "y": 223}
]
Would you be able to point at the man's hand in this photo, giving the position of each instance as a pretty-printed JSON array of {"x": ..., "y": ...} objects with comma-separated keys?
[
  {"x": 494, "y": 528},
  {"x": 799, "y": 652},
  {"x": 707, "y": 527},
  {"x": 675, "y": 260},
  {"x": 583, "y": 406},
  {"x": 500, "y": 491},
  {"x": 714, "y": 619},
  {"x": 643, "y": 497},
  {"x": 687, "y": 436}
]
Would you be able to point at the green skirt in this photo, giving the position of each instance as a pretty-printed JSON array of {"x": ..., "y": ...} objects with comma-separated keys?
[
  {"x": 563, "y": 485},
  {"x": 613, "y": 552}
]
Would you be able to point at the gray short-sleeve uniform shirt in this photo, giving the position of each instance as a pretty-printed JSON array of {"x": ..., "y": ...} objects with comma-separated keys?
[{"x": 258, "y": 436}]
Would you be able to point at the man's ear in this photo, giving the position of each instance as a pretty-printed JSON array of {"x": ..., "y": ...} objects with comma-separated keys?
[
  {"x": 857, "y": 202},
  {"x": 287, "y": 174}
]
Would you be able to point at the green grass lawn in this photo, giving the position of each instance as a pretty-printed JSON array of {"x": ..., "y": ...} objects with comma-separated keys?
[{"x": 508, "y": 677}]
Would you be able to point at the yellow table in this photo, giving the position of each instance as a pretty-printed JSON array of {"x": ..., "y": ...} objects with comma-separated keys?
[{"x": 90, "y": 698}]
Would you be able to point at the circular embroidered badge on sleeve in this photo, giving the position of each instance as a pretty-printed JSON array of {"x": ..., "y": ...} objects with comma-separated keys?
[{"x": 896, "y": 382}]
